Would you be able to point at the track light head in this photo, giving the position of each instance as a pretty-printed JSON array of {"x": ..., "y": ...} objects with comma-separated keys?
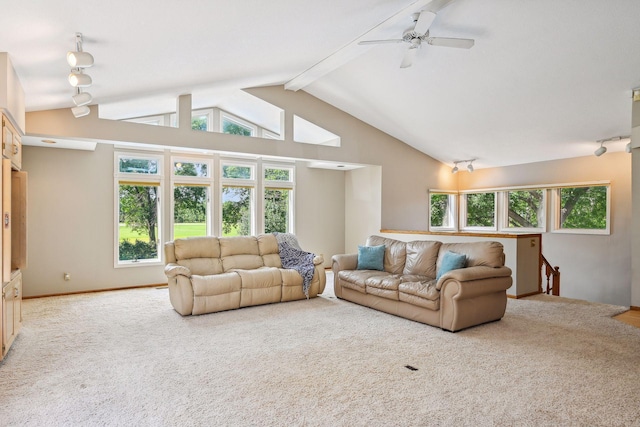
[
  {"x": 455, "y": 168},
  {"x": 601, "y": 150},
  {"x": 78, "y": 79},
  {"x": 79, "y": 59},
  {"x": 627, "y": 147},
  {"x": 81, "y": 111},
  {"x": 82, "y": 98},
  {"x": 470, "y": 166}
]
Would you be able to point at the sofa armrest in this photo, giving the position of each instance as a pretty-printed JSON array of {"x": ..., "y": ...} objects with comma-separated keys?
[
  {"x": 344, "y": 262},
  {"x": 318, "y": 259},
  {"x": 473, "y": 273},
  {"x": 173, "y": 270}
]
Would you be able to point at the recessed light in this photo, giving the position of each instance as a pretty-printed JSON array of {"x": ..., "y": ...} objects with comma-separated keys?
[{"x": 48, "y": 141}]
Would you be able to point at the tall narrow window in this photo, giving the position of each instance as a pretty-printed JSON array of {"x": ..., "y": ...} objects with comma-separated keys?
[
  {"x": 192, "y": 186},
  {"x": 278, "y": 199},
  {"x": 238, "y": 195},
  {"x": 138, "y": 181}
]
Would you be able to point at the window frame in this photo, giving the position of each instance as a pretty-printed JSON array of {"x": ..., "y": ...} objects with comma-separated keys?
[
  {"x": 504, "y": 220},
  {"x": 186, "y": 181},
  {"x": 452, "y": 211},
  {"x": 239, "y": 182},
  {"x": 557, "y": 205},
  {"x": 237, "y": 120},
  {"x": 121, "y": 178},
  {"x": 463, "y": 212},
  {"x": 279, "y": 185}
]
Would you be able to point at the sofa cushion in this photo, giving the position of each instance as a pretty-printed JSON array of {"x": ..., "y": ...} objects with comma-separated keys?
[
  {"x": 422, "y": 294},
  {"x": 355, "y": 279},
  {"x": 240, "y": 252},
  {"x": 489, "y": 254},
  {"x": 383, "y": 286},
  {"x": 451, "y": 261},
  {"x": 268, "y": 248},
  {"x": 395, "y": 253},
  {"x": 197, "y": 247},
  {"x": 260, "y": 286},
  {"x": 202, "y": 266},
  {"x": 370, "y": 258},
  {"x": 422, "y": 256},
  {"x": 215, "y": 292}
]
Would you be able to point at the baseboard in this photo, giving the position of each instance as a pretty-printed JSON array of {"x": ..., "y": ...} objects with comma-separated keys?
[
  {"x": 97, "y": 290},
  {"x": 523, "y": 295},
  {"x": 633, "y": 307}
]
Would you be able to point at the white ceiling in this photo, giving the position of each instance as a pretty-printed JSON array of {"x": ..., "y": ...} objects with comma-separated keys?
[{"x": 545, "y": 79}]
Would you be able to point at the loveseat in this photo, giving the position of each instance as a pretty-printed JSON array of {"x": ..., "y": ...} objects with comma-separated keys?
[
  {"x": 417, "y": 280},
  {"x": 209, "y": 274}
]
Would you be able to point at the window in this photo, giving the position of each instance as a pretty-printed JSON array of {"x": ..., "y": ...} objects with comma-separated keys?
[
  {"x": 524, "y": 210},
  {"x": 191, "y": 197},
  {"x": 238, "y": 195},
  {"x": 278, "y": 199},
  {"x": 582, "y": 209},
  {"x": 236, "y": 126},
  {"x": 201, "y": 119},
  {"x": 479, "y": 211},
  {"x": 442, "y": 211},
  {"x": 138, "y": 184}
]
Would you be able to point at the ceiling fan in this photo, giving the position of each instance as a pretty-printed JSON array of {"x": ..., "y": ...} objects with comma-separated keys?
[{"x": 419, "y": 33}]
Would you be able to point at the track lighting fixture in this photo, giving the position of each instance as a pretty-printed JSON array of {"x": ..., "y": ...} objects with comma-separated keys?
[
  {"x": 469, "y": 166},
  {"x": 81, "y": 98},
  {"x": 80, "y": 111},
  {"x": 602, "y": 149},
  {"x": 78, "y": 61},
  {"x": 78, "y": 79}
]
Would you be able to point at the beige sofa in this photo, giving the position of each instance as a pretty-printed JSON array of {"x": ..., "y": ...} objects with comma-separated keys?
[
  {"x": 209, "y": 274},
  {"x": 407, "y": 287}
]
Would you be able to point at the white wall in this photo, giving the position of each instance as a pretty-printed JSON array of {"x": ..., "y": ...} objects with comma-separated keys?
[
  {"x": 593, "y": 267},
  {"x": 363, "y": 205}
]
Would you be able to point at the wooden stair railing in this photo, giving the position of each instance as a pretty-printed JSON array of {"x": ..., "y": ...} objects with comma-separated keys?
[{"x": 553, "y": 277}]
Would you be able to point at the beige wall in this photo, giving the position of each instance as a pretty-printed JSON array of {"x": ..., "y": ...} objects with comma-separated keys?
[
  {"x": 593, "y": 267},
  {"x": 635, "y": 232},
  {"x": 362, "y": 206}
]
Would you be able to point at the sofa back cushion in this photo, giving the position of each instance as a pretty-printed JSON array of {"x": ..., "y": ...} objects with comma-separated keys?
[
  {"x": 201, "y": 255},
  {"x": 490, "y": 254},
  {"x": 241, "y": 252},
  {"x": 421, "y": 258},
  {"x": 268, "y": 247},
  {"x": 395, "y": 253}
]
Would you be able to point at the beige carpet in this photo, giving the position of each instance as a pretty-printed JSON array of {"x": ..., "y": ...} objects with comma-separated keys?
[{"x": 126, "y": 358}]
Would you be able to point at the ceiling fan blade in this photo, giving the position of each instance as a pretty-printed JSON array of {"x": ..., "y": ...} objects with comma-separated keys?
[
  {"x": 425, "y": 19},
  {"x": 407, "y": 61},
  {"x": 380, "y": 41},
  {"x": 437, "y": 5},
  {"x": 450, "y": 42}
]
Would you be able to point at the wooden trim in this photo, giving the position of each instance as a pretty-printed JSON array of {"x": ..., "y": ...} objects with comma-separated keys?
[
  {"x": 633, "y": 307},
  {"x": 91, "y": 291},
  {"x": 523, "y": 295},
  {"x": 464, "y": 234}
]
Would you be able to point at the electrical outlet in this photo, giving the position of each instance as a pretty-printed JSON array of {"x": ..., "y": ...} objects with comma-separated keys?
[{"x": 67, "y": 277}]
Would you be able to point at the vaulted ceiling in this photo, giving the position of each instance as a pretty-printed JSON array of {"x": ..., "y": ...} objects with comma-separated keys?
[{"x": 545, "y": 79}]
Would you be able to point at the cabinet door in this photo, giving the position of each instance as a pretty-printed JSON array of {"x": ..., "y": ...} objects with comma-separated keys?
[
  {"x": 17, "y": 303},
  {"x": 7, "y": 138},
  {"x": 8, "y": 317},
  {"x": 16, "y": 154},
  {"x": 6, "y": 220}
]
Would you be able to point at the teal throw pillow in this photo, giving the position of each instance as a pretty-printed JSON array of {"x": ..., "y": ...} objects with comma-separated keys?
[
  {"x": 371, "y": 257},
  {"x": 451, "y": 261}
]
